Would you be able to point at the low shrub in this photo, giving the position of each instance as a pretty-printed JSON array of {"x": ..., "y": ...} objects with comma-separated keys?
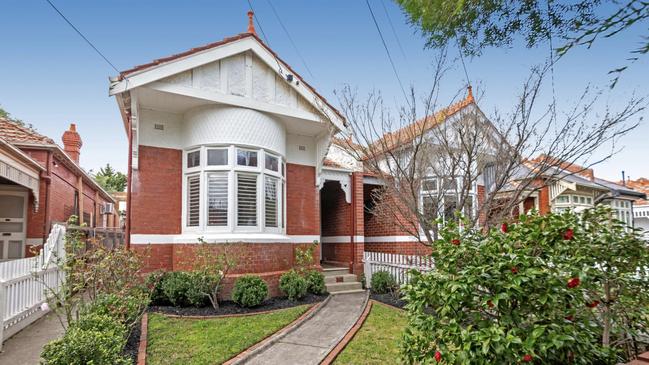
[
  {"x": 249, "y": 291},
  {"x": 85, "y": 344},
  {"x": 293, "y": 285},
  {"x": 175, "y": 286},
  {"x": 382, "y": 282},
  {"x": 201, "y": 285},
  {"x": 315, "y": 282},
  {"x": 154, "y": 283},
  {"x": 126, "y": 309}
]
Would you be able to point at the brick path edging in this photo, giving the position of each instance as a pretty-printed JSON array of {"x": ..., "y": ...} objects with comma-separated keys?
[
  {"x": 331, "y": 356},
  {"x": 141, "y": 352}
]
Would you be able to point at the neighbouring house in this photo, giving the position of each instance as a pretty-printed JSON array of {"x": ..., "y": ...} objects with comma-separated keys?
[
  {"x": 42, "y": 183},
  {"x": 641, "y": 206},
  {"x": 570, "y": 186}
]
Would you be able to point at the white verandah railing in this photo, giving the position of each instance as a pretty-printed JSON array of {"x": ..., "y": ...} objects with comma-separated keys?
[
  {"x": 397, "y": 265},
  {"x": 25, "y": 283}
]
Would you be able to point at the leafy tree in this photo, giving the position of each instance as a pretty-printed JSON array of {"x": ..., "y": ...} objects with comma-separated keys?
[
  {"x": 110, "y": 179},
  {"x": 553, "y": 289},
  {"x": 477, "y": 24}
]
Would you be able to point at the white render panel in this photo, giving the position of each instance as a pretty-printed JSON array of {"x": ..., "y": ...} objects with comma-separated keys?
[
  {"x": 297, "y": 156},
  {"x": 263, "y": 81},
  {"x": 230, "y": 125},
  {"x": 208, "y": 77},
  {"x": 183, "y": 78},
  {"x": 167, "y": 137},
  {"x": 236, "y": 74}
]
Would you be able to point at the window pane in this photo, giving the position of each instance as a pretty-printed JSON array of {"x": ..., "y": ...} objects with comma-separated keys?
[
  {"x": 217, "y": 157},
  {"x": 450, "y": 207},
  {"x": 429, "y": 185},
  {"x": 272, "y": 163},
  {"x": 563, "y": 199},
  {"x": 429, "y": 209},
  {"x": 193, "y": 201},
  {"x": 450, "y": 184},
  {"x": 246, "y": 158},
  {"x": 575, "y": 199},
  {"x": 194, "y": 159},
  {"x": 270, "y": 199},
  {"x": 217, "y": 199},
  {"x": 246, "y": 200},
  {"x": 582, "y": 200},
  {"x": 12, "y": 206}
]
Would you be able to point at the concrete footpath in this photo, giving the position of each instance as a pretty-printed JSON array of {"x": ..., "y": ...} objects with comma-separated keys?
[
  {"x": 313, "y": 339},
  {"x": 24, "y": 348}
]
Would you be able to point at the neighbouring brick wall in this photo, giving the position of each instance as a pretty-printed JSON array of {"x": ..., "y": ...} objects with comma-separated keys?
[
  {"x": 302, "y": 201},
  {"x": 156, "y": 195},
  {"x": 268, "y": 260},
  {"x": 544, "y": 200},
  {"x": 402, "y": 248},
  {"x": 336, "y": 252},
  {"x": 381, "y": 221}
]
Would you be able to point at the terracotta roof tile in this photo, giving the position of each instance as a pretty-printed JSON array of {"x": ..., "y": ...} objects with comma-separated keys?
[
  {"x": 641, "y": 185},
  {"x": 15, "y": 133}
]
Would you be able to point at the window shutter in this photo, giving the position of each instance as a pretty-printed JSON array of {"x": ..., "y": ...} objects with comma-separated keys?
[
  {"x": 193, "y": 200},
  {"x": 217, "y": 199},
  {"x": 246, "y": 200},
  {"x": 270, "y": 199}
]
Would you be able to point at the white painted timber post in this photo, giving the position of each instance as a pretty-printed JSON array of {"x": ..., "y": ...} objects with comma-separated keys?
[
  {"x": 3, "y": 309},
  {"x": 366, "y": 268}
]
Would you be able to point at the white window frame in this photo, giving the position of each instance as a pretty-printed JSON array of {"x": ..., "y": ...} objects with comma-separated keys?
[
  {"x": 622, "y": 211},
  {"x": 231, "y": 169},
  {"x": 473, "y": 194},
  {"x": 573, "y": 202}
]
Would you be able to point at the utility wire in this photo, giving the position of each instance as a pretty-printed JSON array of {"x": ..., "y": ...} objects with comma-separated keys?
[
  {"x": 288, "y": 35},
  {"x": 388, "y": 53},
  {"x": 387, "y": 15},
  {"x": 83, "y": 36},
  {"x": 463, "y": 64},
  {"x": 259, "y": 23}
]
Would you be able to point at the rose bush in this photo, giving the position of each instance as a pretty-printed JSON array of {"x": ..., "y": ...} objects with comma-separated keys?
[{"x": 556, "y": 289}]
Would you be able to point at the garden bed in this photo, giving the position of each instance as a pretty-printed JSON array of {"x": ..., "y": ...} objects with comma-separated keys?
[
  {"x": 211, "y": 340},
  {"x": 389, "y": 299},
  {"x": 229, "y": 307},
  {"x": 133, "y": 342}
]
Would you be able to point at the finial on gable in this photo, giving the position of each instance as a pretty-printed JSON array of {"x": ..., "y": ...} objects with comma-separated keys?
[
  {"x": 469, "y": 97},
  {"x": 251, "y": 23}
]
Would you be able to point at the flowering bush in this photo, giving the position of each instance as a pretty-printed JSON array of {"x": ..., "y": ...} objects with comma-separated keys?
[{"x": 549, "y": 289}]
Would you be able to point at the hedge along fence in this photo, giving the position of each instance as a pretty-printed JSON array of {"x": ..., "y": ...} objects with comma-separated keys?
[{"x": 397, "y": 265}]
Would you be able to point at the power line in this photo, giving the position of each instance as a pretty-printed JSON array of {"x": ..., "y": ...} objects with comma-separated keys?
[
  {"x": 388, "y": 52},
  {"x": 463, "y": 64},
  {"x": 288, "y": 35},
  {"x": 387, "y": 15},
  {"x": 259, "y": 24},
  {"x": 83, "y": 36}
]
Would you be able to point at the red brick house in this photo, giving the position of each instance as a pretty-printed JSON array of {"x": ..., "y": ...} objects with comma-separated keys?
[
  {"x": 229, "y": 144},
  {"x": 42, "y": 183}
]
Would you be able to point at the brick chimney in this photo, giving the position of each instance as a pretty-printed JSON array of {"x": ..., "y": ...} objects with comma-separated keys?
[{"x": 72, "y": 142}]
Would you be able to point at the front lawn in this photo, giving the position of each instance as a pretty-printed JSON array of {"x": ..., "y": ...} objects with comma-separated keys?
[
  {"x": 210, "y": 341},
  {"x": 377, "y": 340}
]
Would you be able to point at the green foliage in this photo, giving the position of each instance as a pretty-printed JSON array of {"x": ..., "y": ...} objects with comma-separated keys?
[
  {"x": 293, "y": 285},
  {"x": 304, "y": 256},
  {"x": 382, "y": 282},
  {"x": 154, "y": 283},
  {"x": 175, "y": 286},
  {"x": 249, "y": 291},
  {"x": 553, "y": 289},
  {"x": 123, "y": 309},
  {"x": 94, "y": 339},
  {"x": 315, "y": 282},
  {"x": 110, "y": 180}
]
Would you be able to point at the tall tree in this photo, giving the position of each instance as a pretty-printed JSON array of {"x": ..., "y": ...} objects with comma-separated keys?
[{"x": 111, "y": 180}]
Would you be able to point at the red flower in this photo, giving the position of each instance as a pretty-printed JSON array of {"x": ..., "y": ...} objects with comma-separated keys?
[
  {"x": 503, "y": 228},
  {"x": 438, "y": 356},
  {"x": 514, "y": 270},
  {"x": 592, "y": 304},
  {"x": 490, "y": 303},
  {"x": 568, "y": 234},
  {"x": 456, "y": 242},
  {"x": 570, "y": 318},
  {"x": 573, "y": 283},
  {"x": 527, "y": 358}
]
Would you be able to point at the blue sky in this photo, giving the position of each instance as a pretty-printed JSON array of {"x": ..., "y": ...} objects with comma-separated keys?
[{"x": 50, "y": 77}]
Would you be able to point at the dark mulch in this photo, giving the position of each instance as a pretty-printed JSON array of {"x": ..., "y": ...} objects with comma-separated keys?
[
  {"x": 133, "y": 342},
  {"x": 228, "y": 307},
  {"x": 389, "y": 299}
]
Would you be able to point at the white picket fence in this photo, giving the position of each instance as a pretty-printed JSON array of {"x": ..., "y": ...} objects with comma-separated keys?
[
  {"x": 397, "y": 265},
  {"x": 24, "y": 284}
]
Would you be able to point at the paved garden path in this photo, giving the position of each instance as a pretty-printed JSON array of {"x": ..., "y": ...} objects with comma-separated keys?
[
  {"x": 24, "y": 348},
  {"x": 311, "y": 340}
]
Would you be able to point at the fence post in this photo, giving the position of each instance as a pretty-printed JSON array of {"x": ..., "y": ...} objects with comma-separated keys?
[{"x": 3, "y": 308}]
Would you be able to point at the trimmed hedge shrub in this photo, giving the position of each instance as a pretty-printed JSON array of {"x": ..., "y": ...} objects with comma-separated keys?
[
  {"x": 154, "y": 282},
  {"x": 293, "y": 285},
  {"x": 201, "y": 285},
  {"x": 249, "y": 291},
  {"x": 125, "y": 309},
  {"x": 382, "y": 282},
  {"x": 175, "y": 286},
  {"x": 315, "y": 282}
]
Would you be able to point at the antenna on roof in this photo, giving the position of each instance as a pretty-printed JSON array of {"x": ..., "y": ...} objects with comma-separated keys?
[
  {"x": 623, "y": 179},
  {"x": 251, "y": 23}
]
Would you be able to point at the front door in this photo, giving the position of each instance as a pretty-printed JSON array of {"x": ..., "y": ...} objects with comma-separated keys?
[{"x": 13, "y": 222}]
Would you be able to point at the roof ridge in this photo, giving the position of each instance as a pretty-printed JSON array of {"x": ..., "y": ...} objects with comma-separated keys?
[{"x": 27, "y": 130}]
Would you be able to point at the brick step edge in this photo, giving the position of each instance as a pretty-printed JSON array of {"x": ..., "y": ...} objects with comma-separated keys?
[{"x": 141, "y": 349}]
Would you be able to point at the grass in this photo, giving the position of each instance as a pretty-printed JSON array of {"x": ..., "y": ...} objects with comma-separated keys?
[
  {"x": 210, "y": 341},
  {"x": 377, "y": 341}
]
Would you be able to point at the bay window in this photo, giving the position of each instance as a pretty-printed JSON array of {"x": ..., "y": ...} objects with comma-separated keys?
[
  {"x": 440, "y": 198},
  {"x": 227, "y": 189}
]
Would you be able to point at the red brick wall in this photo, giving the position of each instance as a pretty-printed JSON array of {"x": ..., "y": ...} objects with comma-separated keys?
[
  {"x": 544, "y": 200},
  {"x": 382, "y": 222},
  {"x": 402, "y": 248},
  {"x": 156, "y": 195},
  {"x": 302, "y": 201},
  {"x": 336, "y": 212}
]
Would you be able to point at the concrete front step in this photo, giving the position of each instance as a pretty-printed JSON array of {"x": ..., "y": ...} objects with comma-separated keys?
[
  {"x": 330, "y": 279},
  {"x": 334, "y": 288},
  {"x": 348, "y": 291},
  {"x": 335, "y": 271}
]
